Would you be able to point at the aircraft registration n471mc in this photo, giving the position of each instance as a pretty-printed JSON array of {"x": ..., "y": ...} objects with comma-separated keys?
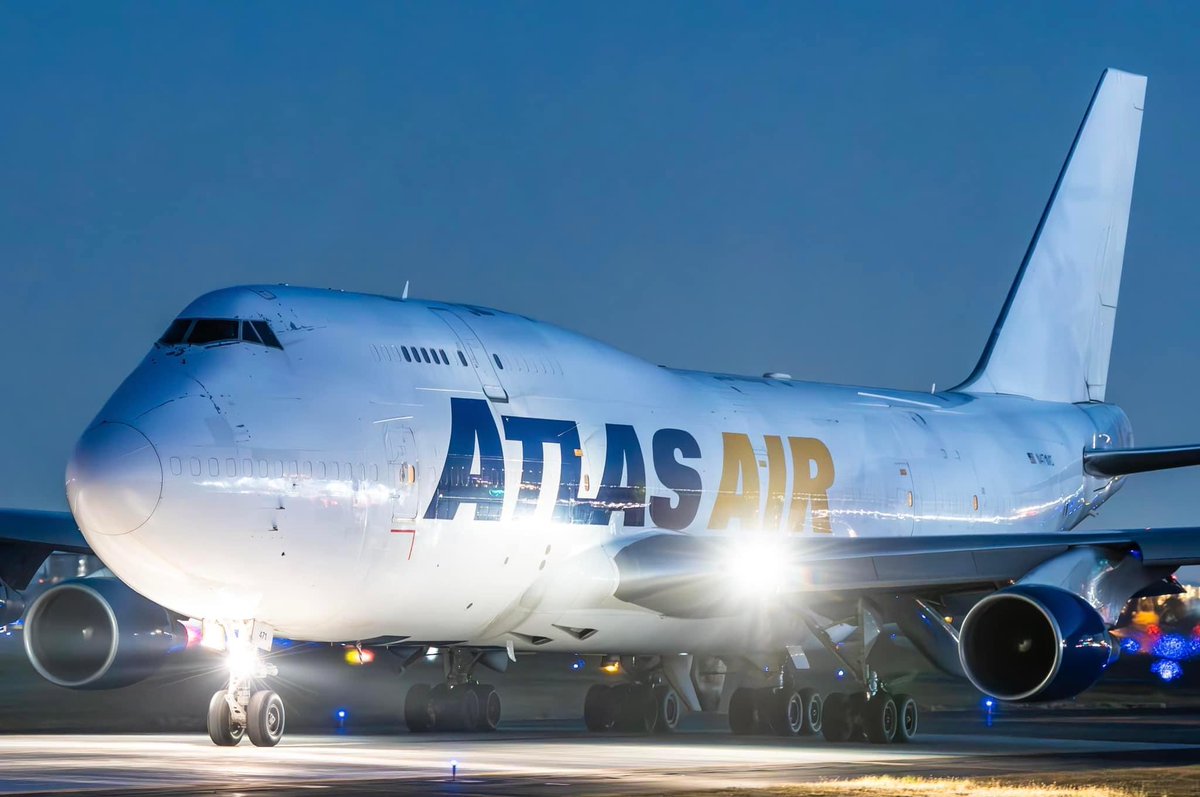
[{"x": 491, "y": 484}]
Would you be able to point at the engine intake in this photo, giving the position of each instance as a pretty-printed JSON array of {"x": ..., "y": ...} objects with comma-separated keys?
[
  {"x": 1032, "y": 643},
  {"x": 97, "y": 633}
]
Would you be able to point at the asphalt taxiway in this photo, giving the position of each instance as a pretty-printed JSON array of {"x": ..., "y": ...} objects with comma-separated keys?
[{"x": 558, "y": 758}]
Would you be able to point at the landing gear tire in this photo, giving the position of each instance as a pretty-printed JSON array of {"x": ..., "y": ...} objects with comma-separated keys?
[
  {"x": 636, "y": 712},
  {"x": 221, "y": 729},
  {"x": 599, "y": 709},
  {"x": 468, "y": 708},
  {"x": 418, "y": 709},
  {"x": 264, "y": 719},
  {"x": 489, "y": 707},
  {"x": 456, "y": 708},
  {"x": 743, "y": 712},
  {"x": 667, "y": 708},
  {"x": 879, "y": 719},
  {"x": 813, "y": 711},
  {"x": 907, "y": 718},
  {"x": 784, "y": 711},
  {"x": 836, "y": 724},
  {"x": 857, "y": 713}
]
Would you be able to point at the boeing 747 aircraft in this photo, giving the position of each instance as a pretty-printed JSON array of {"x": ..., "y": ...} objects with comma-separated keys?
[{"x": 492, "y": 485}]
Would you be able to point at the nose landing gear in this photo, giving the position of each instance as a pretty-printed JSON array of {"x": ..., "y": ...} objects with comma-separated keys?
[{"x": 239, "y": 709}]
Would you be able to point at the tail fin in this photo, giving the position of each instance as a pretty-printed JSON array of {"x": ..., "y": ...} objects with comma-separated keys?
[{"x": 1054, "y": 334}]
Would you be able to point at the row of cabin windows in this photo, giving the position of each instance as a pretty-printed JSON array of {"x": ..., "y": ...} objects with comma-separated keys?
[
  {"x": 205, "y": 331},
  {"x": 230, "y": 467},
  {"x": 417, "y": 354}
]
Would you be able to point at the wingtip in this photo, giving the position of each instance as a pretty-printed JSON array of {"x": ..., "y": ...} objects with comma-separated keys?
[{"x": 1112, "y": 70}]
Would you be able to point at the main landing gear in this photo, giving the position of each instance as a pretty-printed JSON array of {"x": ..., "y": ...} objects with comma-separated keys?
[
  {"x": 881, "y": 718},
  {"x": 649, "y": 700},
  {"x": 239, "y": 709},
  {"x": 459, "y": 704},
  {"x": 632, "y": 708},
  {"x": 783, "y": 711},
  {"x": 779, "y": 710},
  {"x": 871, "y": 714}
]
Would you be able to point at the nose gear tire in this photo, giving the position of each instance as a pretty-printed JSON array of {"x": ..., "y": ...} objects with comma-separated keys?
[
  {"x": 264, "y": 719},
  {"x": 221, "y": 729}
]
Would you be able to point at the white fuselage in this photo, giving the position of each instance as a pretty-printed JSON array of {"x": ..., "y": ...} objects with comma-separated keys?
[{"x": 339, "y": 491}]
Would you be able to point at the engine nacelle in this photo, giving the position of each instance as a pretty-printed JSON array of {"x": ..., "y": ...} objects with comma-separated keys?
[
  {"x": 1033, "y": 642},
  {"x": 97, "y": 633}
]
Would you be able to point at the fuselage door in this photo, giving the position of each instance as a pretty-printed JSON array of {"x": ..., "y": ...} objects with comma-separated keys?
[
  {"x": 905, "y": 501},
  {"x": 401, "y": 449},
  {"x": 477, "y": 355}
]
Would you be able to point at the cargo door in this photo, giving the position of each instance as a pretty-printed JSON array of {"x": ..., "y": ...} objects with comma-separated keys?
[{"x": 905, "y": 501}]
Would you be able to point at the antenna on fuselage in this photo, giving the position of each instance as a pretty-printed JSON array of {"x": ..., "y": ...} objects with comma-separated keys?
[{"x": 405, "y": 294}]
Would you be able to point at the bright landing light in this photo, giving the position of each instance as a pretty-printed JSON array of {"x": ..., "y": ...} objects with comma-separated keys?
[
  {"x": 758, "y": 567},
  {"x": 241, "y": 661}
]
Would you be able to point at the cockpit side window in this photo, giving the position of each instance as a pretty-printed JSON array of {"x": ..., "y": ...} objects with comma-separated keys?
[
  {"x": 248, "y": 333},
  {"x": 213, "y": 330},
  {"x": 176, "y": 332},
  {"x": 268, "y": 337}
]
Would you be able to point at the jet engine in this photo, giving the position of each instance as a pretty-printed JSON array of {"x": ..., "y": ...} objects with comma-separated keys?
[
  {"x": 1034, "y": 643},
  {"x": 97, "y": 633}
]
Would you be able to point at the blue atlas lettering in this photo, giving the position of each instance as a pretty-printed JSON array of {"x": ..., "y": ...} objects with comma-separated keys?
[{"x": 472, "y": 429}]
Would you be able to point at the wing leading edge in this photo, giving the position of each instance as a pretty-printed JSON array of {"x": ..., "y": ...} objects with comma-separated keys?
[
  {"x": 690, "y": 576},
  {"x": 28, "y": 536}
]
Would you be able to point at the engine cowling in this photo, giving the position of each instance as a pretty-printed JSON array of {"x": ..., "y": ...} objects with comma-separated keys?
[
  {"x": 97, "y": 633},
  {"x": 1031, "y": 643}
]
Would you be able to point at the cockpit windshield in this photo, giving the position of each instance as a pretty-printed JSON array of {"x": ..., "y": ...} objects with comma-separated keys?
[{"x": 205, "y": 331}]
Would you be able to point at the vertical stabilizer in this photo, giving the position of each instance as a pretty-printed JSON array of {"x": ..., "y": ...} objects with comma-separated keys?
[{"x": 1054, "y": 335}]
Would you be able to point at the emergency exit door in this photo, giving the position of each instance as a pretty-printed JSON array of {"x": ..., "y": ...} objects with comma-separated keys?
[{"x": 400, "y": 446}]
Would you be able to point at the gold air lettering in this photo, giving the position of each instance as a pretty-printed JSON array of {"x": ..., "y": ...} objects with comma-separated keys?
[
  {"x": 813, "y": 466},
  {"x": 776, "y": 482},
  {"x": 740, "y": 469}
]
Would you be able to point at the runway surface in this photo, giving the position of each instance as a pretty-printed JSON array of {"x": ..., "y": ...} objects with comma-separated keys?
[{"x": 558, "y": 758}]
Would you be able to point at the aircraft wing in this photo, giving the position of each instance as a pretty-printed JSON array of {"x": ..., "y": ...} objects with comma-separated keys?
[
  {"x": 28, "y": 536},
  {"x": 683, "y": 575}
]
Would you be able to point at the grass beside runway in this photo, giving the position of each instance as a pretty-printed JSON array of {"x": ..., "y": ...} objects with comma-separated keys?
[{"x": 1137, "y": 782}]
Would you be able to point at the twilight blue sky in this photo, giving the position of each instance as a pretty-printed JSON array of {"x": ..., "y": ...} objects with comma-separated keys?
[{"x": 843, "y": 193}]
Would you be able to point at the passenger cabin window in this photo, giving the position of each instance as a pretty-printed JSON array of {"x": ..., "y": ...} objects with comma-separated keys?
[{"x": 206, "y": 331}]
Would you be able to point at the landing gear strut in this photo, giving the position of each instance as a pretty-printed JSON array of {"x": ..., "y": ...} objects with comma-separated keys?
[
  {"x": 459, "y": 704},
  {"x": 240, "y": 710}
]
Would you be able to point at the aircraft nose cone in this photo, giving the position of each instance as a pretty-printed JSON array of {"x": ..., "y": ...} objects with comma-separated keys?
[{"x": 114, "y": 479}]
